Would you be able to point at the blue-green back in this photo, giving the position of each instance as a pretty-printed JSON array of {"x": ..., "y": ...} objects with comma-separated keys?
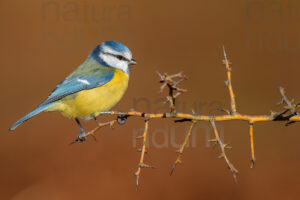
[{"x": 88, "y": 75}]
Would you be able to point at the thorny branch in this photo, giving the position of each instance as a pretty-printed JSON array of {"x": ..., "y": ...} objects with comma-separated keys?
[
  {"x": 289, "y": 114},
  {"x": 168, "y": 80},
  {"x": 228, "y": 83},
  {"x": 222, "y": 147},
  {"x": 289, "y": 108},
  {"x": 143, "y": 152},
  {"x": 180, "y": 151}
]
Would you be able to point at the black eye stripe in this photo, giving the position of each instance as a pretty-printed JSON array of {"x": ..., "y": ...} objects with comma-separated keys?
[{"x": 120, "y": 57}]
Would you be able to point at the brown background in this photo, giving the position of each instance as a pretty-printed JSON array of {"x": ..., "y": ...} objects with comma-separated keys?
[{"x": 43, "y": 41}]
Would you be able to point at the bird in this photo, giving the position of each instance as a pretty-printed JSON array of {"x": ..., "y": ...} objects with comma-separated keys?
[{"x": 94, "y": 87}]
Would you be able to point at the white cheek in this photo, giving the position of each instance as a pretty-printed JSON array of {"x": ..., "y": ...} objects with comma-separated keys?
[
  {"x": 122, "y": 65},
  {"x": 115, "y": 63}
]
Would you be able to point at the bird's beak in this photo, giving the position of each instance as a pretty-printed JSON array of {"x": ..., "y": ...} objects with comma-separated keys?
[{"x": 133, "y": 62}]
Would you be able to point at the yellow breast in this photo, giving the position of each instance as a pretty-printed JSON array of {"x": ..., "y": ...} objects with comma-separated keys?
[{"x": 88, "y": 103}]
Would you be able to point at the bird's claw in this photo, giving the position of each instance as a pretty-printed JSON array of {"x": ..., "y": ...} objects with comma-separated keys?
[
  {"x": 122, "y": 119},
  {"x": 80, "y": 138}
]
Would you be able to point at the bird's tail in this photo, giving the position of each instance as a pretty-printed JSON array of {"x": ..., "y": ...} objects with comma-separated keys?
[{"x": 36, "y": 111}]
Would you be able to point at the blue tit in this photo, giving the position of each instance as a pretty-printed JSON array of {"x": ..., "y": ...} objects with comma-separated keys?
[{"x": 94, "y": 87}]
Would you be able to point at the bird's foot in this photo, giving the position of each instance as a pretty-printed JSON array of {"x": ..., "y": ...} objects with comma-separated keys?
[{"x": 80, "y": 138}]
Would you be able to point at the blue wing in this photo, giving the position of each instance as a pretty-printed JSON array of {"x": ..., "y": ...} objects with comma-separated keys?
[
  {"x": 87, "y": 76},
  {"x": 73, "y": 85}
]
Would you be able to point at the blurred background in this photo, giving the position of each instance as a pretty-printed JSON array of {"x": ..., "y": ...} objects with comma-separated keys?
[{"x": 43, "y": 41}]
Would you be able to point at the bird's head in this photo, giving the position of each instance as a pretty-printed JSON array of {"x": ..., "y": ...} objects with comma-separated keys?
[{"x": 114, "y": 54}]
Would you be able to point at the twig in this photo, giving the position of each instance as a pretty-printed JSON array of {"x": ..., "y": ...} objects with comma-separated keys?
[
  {"x": 253, "y": 160},
  {"x": 180, "y": 151},
  {"x": 222, "y": 147},
  {"x": 143, "y": 151},
  {"x": 285, "y": 99},
  {"x": 228, "y": 83},
  {"x": 289, "y": 108},
  {"x": 168, "y": 80},
  {"x": 242, "y": 117},
  {"x": 92, "y": 132}
]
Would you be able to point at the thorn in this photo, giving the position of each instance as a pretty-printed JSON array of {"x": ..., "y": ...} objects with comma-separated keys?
[
  {"x": 159, "y": 74},
  {"x": 177, "y": 82},
  {"x": 280, "y": 102},
  {"x": 143, "y": 165},
  {"x": 272, "y": 113},
  {"x": 225, "y": 60},
  {"x": 140, "y": 150},
  {"x": 224, "y": 110},
  {"x": 73, "y": 142},
  {"x": 224, "y": 52},
  {"x": 193, "y": 112},
  {"x": 179, "y": 152},
  {"x": 221, "y": 156},
  {"x": 184, "y": 77},
  {"x": 234, "y": 177},
  {"x": 94, "y": 137},
  {"x": 179, "y": 74},
  {"x": 173, "y": 168},
  {"x": 111, "y": 126},
  {"x": 226, "y": 146},
  {"x": 139, "y": 137},
  {"x": 137, "y": 182},
  {"x": 253, "y": 161}
]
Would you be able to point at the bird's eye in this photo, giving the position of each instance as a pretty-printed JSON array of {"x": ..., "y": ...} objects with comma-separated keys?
[{"x": 121, "y": 57}]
